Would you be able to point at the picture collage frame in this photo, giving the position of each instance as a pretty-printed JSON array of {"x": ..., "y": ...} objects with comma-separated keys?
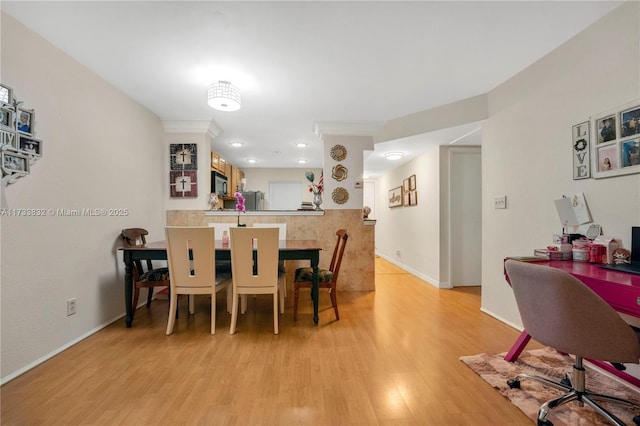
[
  {"x": 19, "y": 148},
  {"x": 405, "y": 195},
  {"x": 183, "y": 175},
  {"x": 616, "y": 136}
]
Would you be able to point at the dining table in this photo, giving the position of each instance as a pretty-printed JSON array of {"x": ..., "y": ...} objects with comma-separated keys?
[{"x": 287, "y": 250}]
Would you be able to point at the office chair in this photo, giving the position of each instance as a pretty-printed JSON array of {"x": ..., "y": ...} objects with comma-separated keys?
[{"x": 560, "y": 311}]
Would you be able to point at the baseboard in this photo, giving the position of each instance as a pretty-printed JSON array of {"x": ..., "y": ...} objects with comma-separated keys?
[{"x": 426, "y": 279}]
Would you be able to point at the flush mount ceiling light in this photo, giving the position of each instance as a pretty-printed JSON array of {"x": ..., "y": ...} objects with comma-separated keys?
[
  {"x": 237, "y": 144},
  {"x": 302, "y": 161},
  {"x": 223, "y": 96},
  {"x": 251, "y": 160},
  {"x": 301, "y": 145},
  {"x": 394, "y": 155}
]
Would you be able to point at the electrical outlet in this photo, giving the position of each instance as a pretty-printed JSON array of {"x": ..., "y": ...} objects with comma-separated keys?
[
  {"x": 71, "y": 306},
  {"x": 397, "y": 252},
  {"x": 500, "y": 202}
]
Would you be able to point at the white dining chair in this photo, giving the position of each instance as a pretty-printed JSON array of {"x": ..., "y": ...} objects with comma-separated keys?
[
  {"x": 224, "y": 267},
  {"x": 254, "y": 277},
  {"x": 282, "y": 273},
  {"x": 190, "y": 254}
]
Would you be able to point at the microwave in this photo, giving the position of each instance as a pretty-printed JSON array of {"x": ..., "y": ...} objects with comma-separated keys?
[{"x": 219, "y": 184}]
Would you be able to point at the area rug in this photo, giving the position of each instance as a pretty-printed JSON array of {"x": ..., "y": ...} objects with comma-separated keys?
[{"x": 532, "y": 394}]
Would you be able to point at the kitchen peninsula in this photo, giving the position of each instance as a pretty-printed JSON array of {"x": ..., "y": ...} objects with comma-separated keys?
[{"x": 357, "y": 272}]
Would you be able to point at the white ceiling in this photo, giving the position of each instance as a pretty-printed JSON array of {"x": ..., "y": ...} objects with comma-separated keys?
[{"x": 298, "y": 63}]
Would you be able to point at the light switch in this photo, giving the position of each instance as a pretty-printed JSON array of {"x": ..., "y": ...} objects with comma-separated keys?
[{"x": 500, "y": 202}]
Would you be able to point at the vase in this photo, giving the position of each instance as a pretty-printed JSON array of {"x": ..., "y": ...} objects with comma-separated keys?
[{"x": 317, "y": 200}]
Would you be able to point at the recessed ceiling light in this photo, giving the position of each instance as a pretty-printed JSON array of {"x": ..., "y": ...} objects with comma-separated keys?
[
  {"x": 251, "y": 160},
  {"x": 235, "y": 143},
  {"x": 301, "y": 145},
  {"x": 394, "y": 155},
  {"x": 302, "y": 161}
]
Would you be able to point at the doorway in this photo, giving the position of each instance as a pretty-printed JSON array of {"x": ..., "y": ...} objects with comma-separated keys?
[{"x": 465, "y": 217}]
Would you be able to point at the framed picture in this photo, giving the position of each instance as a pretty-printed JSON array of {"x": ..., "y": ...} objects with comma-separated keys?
[
  {"x": 631, "y": 153},
  {"x": 412, "y": 183},
  {"x": 7, "y": 120},
  {"x": 581, "y": 151},
  {"x": 6, "y": 95},
  {"x": 405, "y": 196},
  {"x": 608, "y": 158},
  {"x": 606, "y": 128},
  {"x": 395, "y": 197},
  {"x": 14, "y": 163},
  {"x": 413, "y": 198},
  {"x": 630, "y": 122},
  {"x": 31, "y": 145},
  {"x": 616, "y": 156},
  {"x": 183, "y": 156},
  {"x": 26, "y": 121},
  {"x": 405, "y": 185},
  {"x": 183, "y": 184}
]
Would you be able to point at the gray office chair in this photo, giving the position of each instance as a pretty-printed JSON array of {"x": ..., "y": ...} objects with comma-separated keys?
[{"x": 558, "y": 310}]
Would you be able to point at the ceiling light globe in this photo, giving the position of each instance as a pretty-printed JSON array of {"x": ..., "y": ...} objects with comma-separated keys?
[{"x": 224, "y": 96}]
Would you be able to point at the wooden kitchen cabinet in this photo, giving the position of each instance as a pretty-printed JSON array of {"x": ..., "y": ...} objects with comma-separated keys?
[
  {"x": 215, "y": 161},
  {"x": 227, "y": 169}
]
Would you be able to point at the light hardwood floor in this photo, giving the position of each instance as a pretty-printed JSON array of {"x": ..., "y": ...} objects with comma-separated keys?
[{"x": 392, "y": 359}]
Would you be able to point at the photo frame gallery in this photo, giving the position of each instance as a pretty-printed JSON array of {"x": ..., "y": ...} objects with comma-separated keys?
[
  {"x": 408, "y": 194},
  {"x": 617, "y": 150},
  {"x": 20, "y": 148}
]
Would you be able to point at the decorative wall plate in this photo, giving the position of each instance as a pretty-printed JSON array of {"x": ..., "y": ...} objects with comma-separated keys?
[
  {"x": 340, "y": 195},
  {"x": 338, "y": 152},
  {"x": 339, "y": 172}
]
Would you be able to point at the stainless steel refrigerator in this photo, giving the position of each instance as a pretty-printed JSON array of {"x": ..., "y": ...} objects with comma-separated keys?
[{"x": 254, "y": 200}]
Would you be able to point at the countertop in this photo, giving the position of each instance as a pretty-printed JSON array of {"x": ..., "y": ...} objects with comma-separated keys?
[{"x": 230, "y": 212}]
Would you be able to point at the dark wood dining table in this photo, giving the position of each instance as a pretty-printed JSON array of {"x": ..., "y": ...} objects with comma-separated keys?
[{"x": 288, "y": 250}]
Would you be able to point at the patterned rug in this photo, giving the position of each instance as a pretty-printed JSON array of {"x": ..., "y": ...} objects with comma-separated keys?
[{"x": 552, "y": 365}]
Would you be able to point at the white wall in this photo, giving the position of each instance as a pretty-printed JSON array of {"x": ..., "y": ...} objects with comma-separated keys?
[
  {"x": 527, "y": 153},
  {"x": 101, "y": 150},
  {"x": 258, "y": 180}
]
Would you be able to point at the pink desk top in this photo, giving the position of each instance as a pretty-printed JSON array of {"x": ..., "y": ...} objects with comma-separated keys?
[{"x": 620, "y": 289}]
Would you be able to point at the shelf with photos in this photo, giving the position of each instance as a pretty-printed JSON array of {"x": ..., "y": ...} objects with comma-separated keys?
[{"x": 19, "y": 148}]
